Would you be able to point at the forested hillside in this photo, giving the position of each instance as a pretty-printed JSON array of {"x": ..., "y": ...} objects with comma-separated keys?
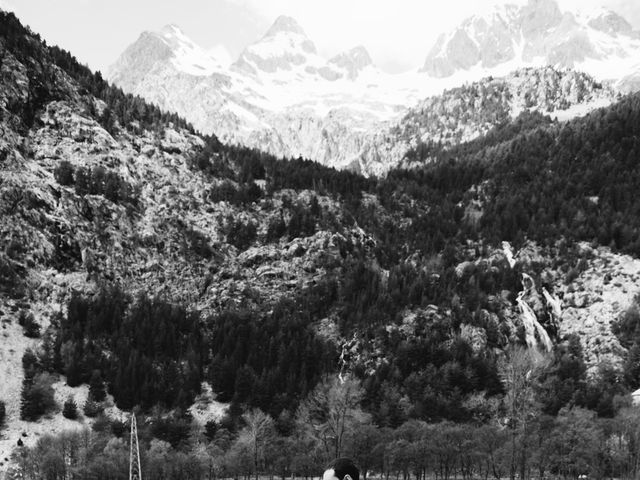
[
  {"x": 153, "y": 269},
  {"x": 461, "y": 114}
]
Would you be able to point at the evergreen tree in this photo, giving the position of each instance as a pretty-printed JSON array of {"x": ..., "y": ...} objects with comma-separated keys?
[
  {"x": 63, "y": 173},
  {"x": 276, "y": 229},
  {"x": 3, "y": 413},
  {"x": 92, "y": 408},
  {"x": 112, "y": 187},
  {"x": 96, "y": 387},
  {"x": 30, "y": 327},
  {"x": 82, "y": 181},
  {"x": 70, "y": 409},
  {"x": 37, "y": 397},
  {"x": 245, "y": 381},
  {"x": 210, "y": 429}
]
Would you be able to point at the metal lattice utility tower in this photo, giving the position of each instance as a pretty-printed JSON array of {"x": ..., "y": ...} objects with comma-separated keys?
[{"x": 135, "y": 469}]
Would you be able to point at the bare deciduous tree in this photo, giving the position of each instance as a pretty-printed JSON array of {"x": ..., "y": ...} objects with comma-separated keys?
[
  {"x": 518, "y": 371},
  {"x": 331, "y": 410},
  {"x": 258, "y": 431}
]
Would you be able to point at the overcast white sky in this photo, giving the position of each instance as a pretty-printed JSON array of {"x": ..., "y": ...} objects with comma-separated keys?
[{"x": 397, "y": 33}]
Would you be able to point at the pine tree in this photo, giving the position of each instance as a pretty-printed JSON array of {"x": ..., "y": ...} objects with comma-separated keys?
[
  {"x": 83, "y": 181},
  {"x": 37, "y": 397},
  {"x": 74, "y": 370},
  {"x": 91, "y": 408},
  {"x": 245, "y": 382},
  {"x": 112, "y": 187},
  {"x": 210, "y": 429},
  {"x": 70, "y": 409},
  {"x": 63, "y": 173},
  {"x": 26, "y": 403},
  {"x": 96, "y": 387}
]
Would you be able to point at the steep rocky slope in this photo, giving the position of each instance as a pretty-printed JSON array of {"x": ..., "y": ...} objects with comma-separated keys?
[
  {"x": 601, "y": 293},
  {"x": 158, "y": 232}
]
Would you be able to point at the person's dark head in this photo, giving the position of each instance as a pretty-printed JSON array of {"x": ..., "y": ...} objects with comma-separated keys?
[{"x": 341, "y": 469}]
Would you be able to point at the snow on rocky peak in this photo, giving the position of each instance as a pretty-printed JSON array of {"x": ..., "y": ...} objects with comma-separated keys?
[
  {"x": 486, "y": 40},
  {"x": 285, "y": 46},
  {"x": 157, "y": 50},
  {"x": 285, "y": 24},
  {"x": 187, "y": 56},
  {"x": 353, "y": 61},
  {"x": 538, "y": 17},
  {"x": 609, "y": 22},
  {"x": 601, "y": 43}
]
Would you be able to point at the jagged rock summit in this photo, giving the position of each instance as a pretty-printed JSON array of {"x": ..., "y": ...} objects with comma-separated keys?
[
  {"x": 285, "y": 46},
  {"x": 285, "y": 24},
  {"x": 600, "y": 42},
  {"x": 154, "y": 51}
]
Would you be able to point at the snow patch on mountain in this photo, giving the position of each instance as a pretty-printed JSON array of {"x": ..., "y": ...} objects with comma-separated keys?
[
  {"x": 284, "y": 48},
  {"x": 187, "y": 56}
]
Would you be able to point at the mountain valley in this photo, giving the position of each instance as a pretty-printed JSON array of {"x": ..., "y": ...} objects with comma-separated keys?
[{"x": 176, "y": 257}]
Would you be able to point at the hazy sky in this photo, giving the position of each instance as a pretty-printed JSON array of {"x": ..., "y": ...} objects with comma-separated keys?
[{"x": 397, "y": 33}]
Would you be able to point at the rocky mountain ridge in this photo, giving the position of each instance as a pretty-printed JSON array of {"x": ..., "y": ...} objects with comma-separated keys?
[
  {"x": 600, "y": 42},
  {"x": 462, "y": 114},
  {"x": 284, "y": 98}
]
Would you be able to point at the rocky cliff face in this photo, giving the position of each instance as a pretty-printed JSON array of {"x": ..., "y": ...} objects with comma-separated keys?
[
  {"x": 353, "y": 61},
  {"x": 597, "y": 298},
  {"x": 285, "y": 46}
]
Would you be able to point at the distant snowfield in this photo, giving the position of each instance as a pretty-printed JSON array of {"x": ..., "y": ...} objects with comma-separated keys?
[{"x": 381, "y": 94}]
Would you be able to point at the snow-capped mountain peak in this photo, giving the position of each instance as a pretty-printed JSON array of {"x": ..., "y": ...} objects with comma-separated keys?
[
  {"x": 155, "y": 52},
  {"x": 539, "y": 16},
  {"x": 285, "y": 47},
  {"x": 602, "y": 43},
  {"x": 171, "y": 31},
  {"x": 285, "y": 24},
  {"x": 187, "y": 56}
]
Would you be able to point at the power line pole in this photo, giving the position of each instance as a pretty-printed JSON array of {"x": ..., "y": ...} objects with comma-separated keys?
[{"x": 135, "y": 469}]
